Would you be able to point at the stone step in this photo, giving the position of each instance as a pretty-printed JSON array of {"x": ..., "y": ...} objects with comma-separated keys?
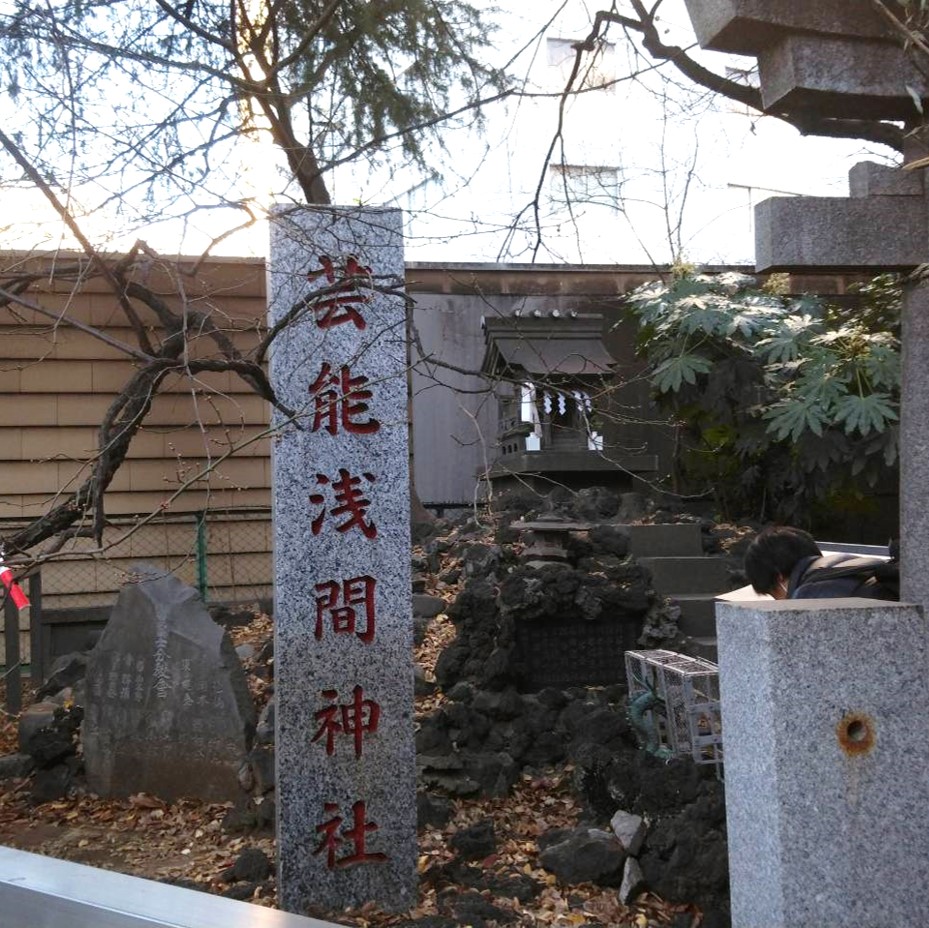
[
  {"x": 687, "y": 575},
  {"x": 684, "y": 539},
  {"x": 698, "y": 614}
]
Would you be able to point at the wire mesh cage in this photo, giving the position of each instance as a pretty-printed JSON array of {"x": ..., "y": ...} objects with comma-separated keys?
[{"x": 674, "y": 704}]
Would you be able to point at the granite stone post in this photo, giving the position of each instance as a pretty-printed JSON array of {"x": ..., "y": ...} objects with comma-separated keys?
[
  {"x": 824, "y": 713},
  {"x": 914, "y": 420},
  {"x": 343, "y": 628},
  {"x": 914, "y": 448}
]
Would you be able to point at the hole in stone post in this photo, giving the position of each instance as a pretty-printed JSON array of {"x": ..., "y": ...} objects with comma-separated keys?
[{"x": 855, "y": 732}]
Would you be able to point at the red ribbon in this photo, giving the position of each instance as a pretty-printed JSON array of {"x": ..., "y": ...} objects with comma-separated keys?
[{"x": 16, "y": 594}]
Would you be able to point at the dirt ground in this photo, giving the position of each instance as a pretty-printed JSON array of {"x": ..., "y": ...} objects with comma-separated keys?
[{"x": 185, "y": 842}]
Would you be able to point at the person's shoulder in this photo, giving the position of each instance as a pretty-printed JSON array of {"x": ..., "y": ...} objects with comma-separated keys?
[
  {"x": 836, "y": 560},
  {"x": 840, "y": 575},
  {"x": 843, "y": 562},
  {"x": 824, "y": 589}
]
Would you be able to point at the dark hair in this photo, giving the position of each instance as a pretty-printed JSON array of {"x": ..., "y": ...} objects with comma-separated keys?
[{"x": 774, "y": 552}]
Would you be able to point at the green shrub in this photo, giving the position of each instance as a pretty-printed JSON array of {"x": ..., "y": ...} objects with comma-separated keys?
[{"x": 780, "y": 401}]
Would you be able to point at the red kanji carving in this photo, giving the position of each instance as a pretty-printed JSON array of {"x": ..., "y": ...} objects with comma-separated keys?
[
  {"x": 339, "y": 601},
  {"x": 350, "y": 502},
  {"x": 357, "y": 835},
  {"x": 339, "y": 306},
  {"x": 358, "y": 718},
  {"x": 339, "y": 399}
]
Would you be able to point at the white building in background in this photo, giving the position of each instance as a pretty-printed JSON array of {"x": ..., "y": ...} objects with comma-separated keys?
[
  {"x": 643, "y": 170},
  {"x": 634, "y": 170}
]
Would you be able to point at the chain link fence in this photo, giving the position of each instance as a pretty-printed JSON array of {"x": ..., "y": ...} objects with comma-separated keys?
[{"x": 225, "y": 554}]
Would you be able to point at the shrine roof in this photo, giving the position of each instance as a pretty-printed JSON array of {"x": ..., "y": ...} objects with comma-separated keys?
[{"x": 570, "y": 344}]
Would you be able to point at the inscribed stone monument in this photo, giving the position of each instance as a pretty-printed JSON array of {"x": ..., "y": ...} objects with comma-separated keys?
[
  {"x": 343, "y": 626},
  {"x": 168, "y": 710}
]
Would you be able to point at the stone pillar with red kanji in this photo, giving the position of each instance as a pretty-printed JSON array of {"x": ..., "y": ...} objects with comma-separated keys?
[{"x": 346, "y": 787}]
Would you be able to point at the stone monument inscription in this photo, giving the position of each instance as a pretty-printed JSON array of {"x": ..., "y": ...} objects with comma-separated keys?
[
  {"x": 343, "y": 627},
  {"x": 168, "y": 710}
]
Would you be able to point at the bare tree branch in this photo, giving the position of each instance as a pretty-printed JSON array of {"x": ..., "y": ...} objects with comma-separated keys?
[
  {"x": 72, "y": 224},
  {"x": 883, "y": 133},
  {"x": 58, "y": 317}
]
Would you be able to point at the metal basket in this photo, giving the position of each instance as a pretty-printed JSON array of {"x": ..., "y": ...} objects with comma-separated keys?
[{"x": 676, "y": 700}]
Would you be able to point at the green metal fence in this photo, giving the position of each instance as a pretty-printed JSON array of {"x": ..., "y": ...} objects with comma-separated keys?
[{"x": 225, "y": 554}]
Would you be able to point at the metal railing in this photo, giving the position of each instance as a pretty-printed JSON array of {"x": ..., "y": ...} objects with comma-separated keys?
[{"x": 42, "y": 892}]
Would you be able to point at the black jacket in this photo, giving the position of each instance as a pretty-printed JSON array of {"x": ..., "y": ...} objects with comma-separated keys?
[{"x": 804, "y": 585}]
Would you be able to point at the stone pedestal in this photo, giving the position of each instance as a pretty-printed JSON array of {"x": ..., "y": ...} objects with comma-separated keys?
[
  {"x": 824, "y": 717},
  {"x": 343, "y": 621}
]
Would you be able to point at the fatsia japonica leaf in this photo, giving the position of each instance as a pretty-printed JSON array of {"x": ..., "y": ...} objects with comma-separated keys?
[
  {"x": 773, "y": 307},
  {"x": 806, "y": 305},
  {"x": 821, "y": 383},
  {"x": 693, "y": 301},
  {"x": 777, "y": 374},
  {"x": 648, "y": 302},
  {"x": 731, "y": 281},
  {"x": 779, "y": 348},
  {"x": 882, "y": 367},
  {"x": 790, "y": 419},
  {"x": 864, "y": 413},
  {"x": 747, "y": 322},
  {"x": 787, "y": 339},
  {"x": 671, "y": 374},
  {"x": 820, "y": 452},
  {"x": 659, "y": 303},
  {"x": 705, "y": 319},
  {"x": 851, "y": 335}
]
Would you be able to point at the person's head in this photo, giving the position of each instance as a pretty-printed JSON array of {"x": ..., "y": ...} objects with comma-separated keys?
[{"x": 773, "y": 554}]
